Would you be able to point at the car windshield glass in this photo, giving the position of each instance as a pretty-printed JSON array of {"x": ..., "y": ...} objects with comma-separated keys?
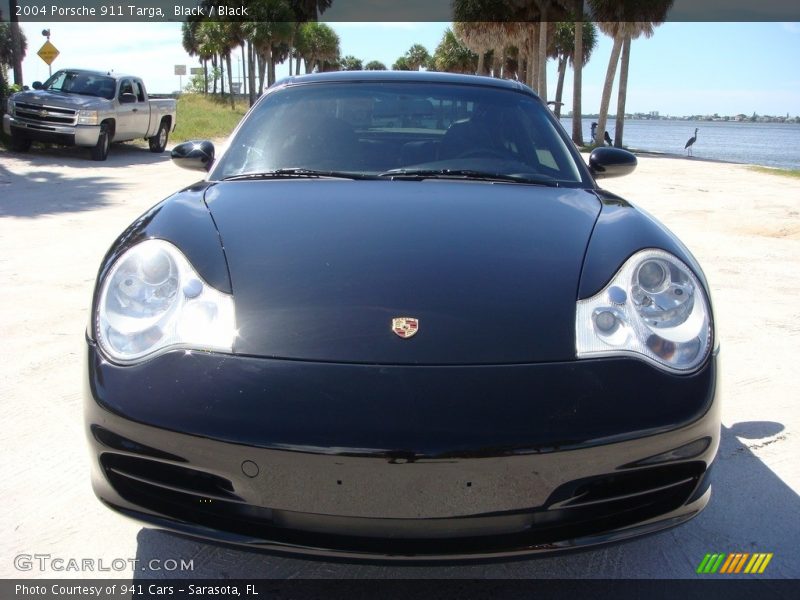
[
  {"x": 376, "y": 128},
  {"x": 84, "y": 84}
]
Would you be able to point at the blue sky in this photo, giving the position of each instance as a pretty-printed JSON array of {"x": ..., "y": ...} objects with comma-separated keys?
[{"x": 685, "y": 68}]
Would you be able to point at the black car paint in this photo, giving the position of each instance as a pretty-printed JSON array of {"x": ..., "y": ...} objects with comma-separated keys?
[
  {"x": 425, "y": 411},
  {"x": 320, "y": 267}
]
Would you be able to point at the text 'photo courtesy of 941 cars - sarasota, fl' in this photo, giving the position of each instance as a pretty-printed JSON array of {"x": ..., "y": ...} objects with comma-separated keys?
[{"x": 398, "y": 319}]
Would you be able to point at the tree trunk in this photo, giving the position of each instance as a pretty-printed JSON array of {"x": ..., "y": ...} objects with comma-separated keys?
[
  {"x": 271, "y": 66},
  {"x": 291, "y": 46},
  {"x": 562, "y": 70},
  {"x": 609, "y": 83},
  {"x": 245, "y": 77},
  {"x": 214, "y": 73},
  {"x": 262, "y": 67},
  {"x": 535, "y": 57},
  {"x": 543, "y": 55},
  {"x": 480, "y": 63},
  {"x": 577, "y": 77},
  {"x": 623, "y": 90},
  {"x": 230, "y": 79},
  {"x": 251, "y": 70},
  {"x": 221, "y": 77},
  {"x": 205, "y": 76}
]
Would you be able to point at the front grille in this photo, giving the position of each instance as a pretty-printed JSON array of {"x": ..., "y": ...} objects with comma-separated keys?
[
  {"x": 578, "y": 509},
  {"x": 45, "y": 114},
  {"x": 167, "y": 477}
]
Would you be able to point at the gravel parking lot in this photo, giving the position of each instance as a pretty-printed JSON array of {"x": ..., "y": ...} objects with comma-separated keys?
[{"x": 59, "y": 212}]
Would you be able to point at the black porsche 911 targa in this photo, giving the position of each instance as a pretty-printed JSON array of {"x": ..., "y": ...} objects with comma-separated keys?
[{"x": 398, "y": 319}]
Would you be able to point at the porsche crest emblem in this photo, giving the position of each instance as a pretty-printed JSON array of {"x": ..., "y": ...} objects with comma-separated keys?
[{"x": 405, "y": 327}]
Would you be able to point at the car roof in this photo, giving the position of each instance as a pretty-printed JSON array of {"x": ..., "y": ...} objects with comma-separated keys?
[
  {"x": 418, "y": 76},
  {"x": 102, "y": 73}
]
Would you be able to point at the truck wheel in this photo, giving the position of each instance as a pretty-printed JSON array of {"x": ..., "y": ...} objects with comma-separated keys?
[
  {"x": 158, "y": 143},
  {"x": 100, "y": 150},
  {"x": 20, "y": 144}
]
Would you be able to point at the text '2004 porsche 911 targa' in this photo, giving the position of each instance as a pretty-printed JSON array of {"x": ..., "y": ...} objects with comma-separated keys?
[{"x": 399, "y": 319}]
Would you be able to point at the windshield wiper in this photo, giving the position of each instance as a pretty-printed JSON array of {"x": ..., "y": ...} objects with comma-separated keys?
[
  {"x": 472, "y": 174},
  {"x": 297, "y": 172}
]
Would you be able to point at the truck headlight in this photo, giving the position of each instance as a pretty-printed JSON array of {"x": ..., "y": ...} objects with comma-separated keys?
[
  {"x": 87, "y": 117},
  {"x": 153, "y": 300},
  {"x": 10, "y": 107},
  {"x": 654, "y": 308}
]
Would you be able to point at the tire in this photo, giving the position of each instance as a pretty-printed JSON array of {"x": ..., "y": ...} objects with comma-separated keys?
[
  {"x": 20, "y": 144},
  {"x": 158, "y": 143},
  {"x": 100, "y": 150}
]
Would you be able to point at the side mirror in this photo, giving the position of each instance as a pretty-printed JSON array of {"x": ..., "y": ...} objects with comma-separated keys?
[
  {"x": 127, "y": 99},
  {"x": 195, "y": 155},
  {"x": 37, "y": 85},
  {"x": 611, "y": 162}
]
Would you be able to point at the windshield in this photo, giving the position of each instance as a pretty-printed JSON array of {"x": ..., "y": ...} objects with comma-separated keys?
[
  {"x": 378, "y": 128},
  {"x": 85, "y": 84}
]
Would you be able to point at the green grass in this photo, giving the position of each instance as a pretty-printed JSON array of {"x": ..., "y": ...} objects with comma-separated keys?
[
  {"x": 781, "y": 172},
  {"x": 204, "y": 118}
]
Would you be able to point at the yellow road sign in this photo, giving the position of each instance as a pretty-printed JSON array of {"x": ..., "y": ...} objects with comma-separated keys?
[{"x": 48, "y": 52}]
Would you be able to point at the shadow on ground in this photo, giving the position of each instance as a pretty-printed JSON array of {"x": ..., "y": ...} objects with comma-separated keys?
[
  {"x": 39, "y": 183},
  {"x": 751, "y": 510}
]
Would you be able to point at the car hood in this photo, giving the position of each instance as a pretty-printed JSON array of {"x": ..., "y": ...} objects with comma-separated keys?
[
  {"x": 61, "y": 99},
  {"x": 319, "y": 268}
]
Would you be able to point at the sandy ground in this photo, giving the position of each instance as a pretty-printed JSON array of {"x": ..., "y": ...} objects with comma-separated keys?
[{"x": 59, "y": 212}]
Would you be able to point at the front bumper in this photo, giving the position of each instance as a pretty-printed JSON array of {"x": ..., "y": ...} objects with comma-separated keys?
[
  {"x": 67, "y": 135},
  {"x": 401, "y": 462}
]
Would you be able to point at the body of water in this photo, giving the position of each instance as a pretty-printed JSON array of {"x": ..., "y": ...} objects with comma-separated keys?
[{"x": 767, "y": 144}]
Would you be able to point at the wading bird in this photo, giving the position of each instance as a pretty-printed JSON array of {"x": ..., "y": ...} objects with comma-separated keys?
[{"x": 692, "y": 140}]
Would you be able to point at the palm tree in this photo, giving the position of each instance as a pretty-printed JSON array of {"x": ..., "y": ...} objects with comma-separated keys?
[
  {"x": 401, "y": 64},
  {"x": 417, "y": 56},
  {"x": 351, "y": 63},
  {"x": 658, "y": 13},
  {"x": 270, "y": 26},
  {"x": 563, "y": 48},
  {"x": 476, "y": 36},
  {"x": 375, "y": 65},
  {"x": 193, "y": 42},
  {"x": 577, "y": 73},
  {"x": 453, "y": 56},
  {"x": 18, "y": 43},
  {"x": 550, "y": 11},
  {"x": 316, "y": 43},
  {"x": 622, "y": 19},
  {"x": 304, "y": 11}
]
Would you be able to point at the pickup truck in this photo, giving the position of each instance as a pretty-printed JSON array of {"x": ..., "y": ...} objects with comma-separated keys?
[{"x": 76, "y": 107}]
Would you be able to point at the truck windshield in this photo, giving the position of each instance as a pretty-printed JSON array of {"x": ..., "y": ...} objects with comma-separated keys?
[
  {"x": 372, "y": 128},
  {"x": 84, "y": 84}
]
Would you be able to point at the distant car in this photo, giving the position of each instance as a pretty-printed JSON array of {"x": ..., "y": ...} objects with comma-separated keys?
[
  {"x": 399, "y": 319},
  {"x": 76, "y": 107}
]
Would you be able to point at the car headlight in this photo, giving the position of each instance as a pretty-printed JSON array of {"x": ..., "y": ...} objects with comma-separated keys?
[
  {"x": 152, "y": 300},
  {"x": 10, "y": 107},
  {"x": 654, "y": 307},
  {"x": 87, "y": 117}
]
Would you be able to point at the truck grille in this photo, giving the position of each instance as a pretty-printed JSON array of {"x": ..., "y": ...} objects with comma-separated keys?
[{"x": 45, "y": 114}]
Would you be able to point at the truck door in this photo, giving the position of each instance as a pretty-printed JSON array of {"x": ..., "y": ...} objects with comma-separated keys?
[
  {"x": 132, "y": 117},
  {"x": 142, "y": 115}
]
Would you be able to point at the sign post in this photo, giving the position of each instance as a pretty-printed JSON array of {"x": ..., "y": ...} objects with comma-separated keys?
[
  {"x": 180, "y": 71},
  {"x": 48, "y": 54}
]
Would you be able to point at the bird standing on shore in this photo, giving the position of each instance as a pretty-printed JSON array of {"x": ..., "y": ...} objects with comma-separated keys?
[
  {"x": 692, "y": 140},
  {"x": 606, "y": 137}
]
